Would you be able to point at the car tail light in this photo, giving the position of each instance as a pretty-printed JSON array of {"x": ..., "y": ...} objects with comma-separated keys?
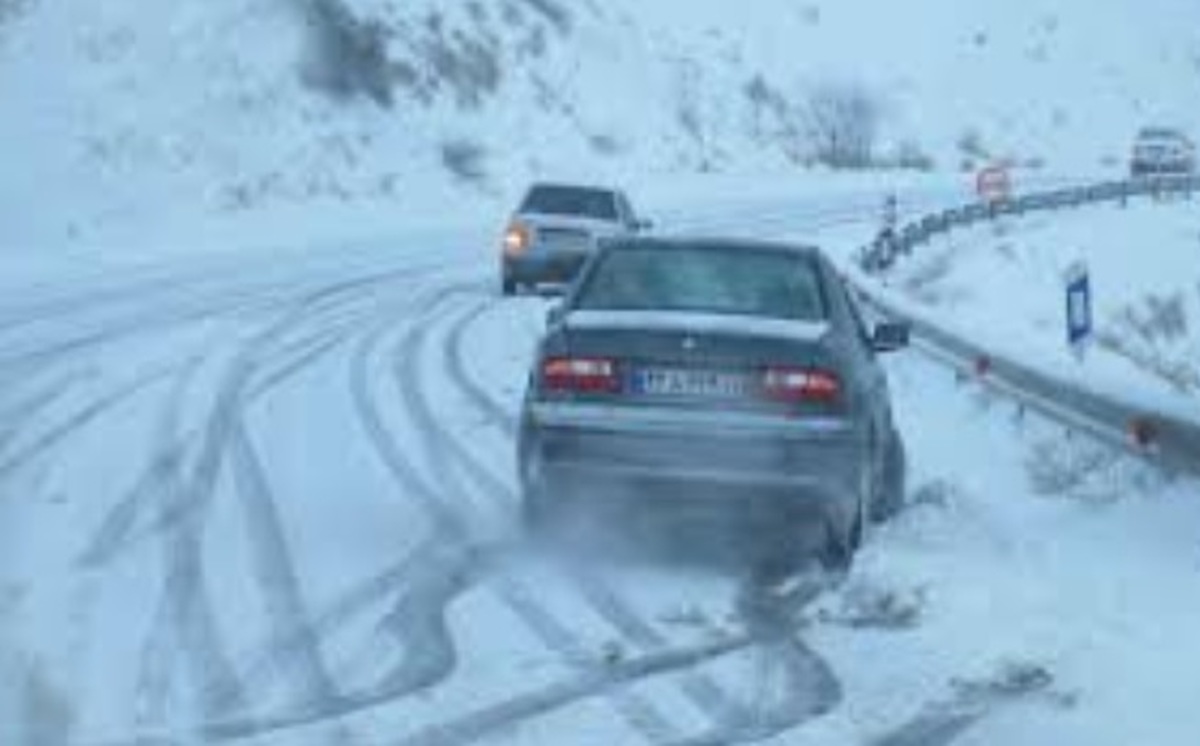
[
  {"x": 802, "y": 385},
  {"x": 580, "y": 374},
  {"x": 517, "y": 239}
]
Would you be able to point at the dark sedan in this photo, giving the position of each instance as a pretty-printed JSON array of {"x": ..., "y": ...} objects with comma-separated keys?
[{"x": 727, "y": 379}]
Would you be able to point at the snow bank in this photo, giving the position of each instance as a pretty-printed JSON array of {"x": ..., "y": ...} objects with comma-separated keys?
[{"x": 1004, "y": 287}]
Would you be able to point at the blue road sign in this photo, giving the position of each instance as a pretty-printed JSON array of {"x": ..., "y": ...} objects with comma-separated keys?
[{"x": 1079, "y": 307}]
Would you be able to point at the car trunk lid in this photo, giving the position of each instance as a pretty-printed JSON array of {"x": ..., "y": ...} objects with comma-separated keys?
[{"x": 708, "y": 361}]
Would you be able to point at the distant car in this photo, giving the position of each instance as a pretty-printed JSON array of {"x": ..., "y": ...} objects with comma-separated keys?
[
  {"x": 732, "y": 379},
  {"x": 557, "y": 227},
  {"x": 1161, "y": 151}
]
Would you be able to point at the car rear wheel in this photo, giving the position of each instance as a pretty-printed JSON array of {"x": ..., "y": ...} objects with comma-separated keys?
[
  {"x": 842, "y": 543},
  {"x": 537, "y": 515},
  {"x": 890, "y": 499},
  {"x": 509, "y": 286},
  {"x": 837, "y": 554}
]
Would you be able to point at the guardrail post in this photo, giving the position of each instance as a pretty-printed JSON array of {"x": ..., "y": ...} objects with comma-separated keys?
[{"x": 1142, "y": 432}]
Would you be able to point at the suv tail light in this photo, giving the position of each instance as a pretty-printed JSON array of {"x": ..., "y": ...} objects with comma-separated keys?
[
  {"x": 581, "y": 374},
  {"x": 802, "y": 385}
]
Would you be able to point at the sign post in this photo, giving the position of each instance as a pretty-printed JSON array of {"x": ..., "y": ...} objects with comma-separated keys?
[{"x": 1079, "y": 308}]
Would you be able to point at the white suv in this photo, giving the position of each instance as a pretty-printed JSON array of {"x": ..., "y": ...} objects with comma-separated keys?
[
  {"x": 1162, "y": 151},
  {"x": 557, "y": 227}
]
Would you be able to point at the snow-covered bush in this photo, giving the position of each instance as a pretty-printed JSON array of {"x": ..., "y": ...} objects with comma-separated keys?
[
  {"x": 10, "y": 9},
  {"x": 909, "y": 155},
  {"x": 843, "y": 122},
  {"x": 971, "y": 149},
  {"x": 465, "y": 160},
  {"x": 1155, "y": 336},
  {"x": 346, "y": 56}
]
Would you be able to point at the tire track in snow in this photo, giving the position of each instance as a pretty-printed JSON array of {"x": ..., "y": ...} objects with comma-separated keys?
[
  {"x": 579, "y": 687},
  {"x": 12, "y": 413},
  {"x": 810, "y": 689},
  {"x": 276, "y": 576},
  {"x": 440, "y": 449},
  {"x": 224, "y": 443},
  {"x": 943, "y": 723},
  {"x": 186, "y": 623},
  {"x": 18, "y": 458},
  {"x": 152, "y": 689},
  {"x": 119, "y": 529},
  {"x": 281, "y": 644},
  {"x": 609, "y": 682},
  {"x": 421, "y": 571}
]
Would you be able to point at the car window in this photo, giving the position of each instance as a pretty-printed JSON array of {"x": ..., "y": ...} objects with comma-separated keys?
[
  {"x": 626, "y": 209},
  {"x": 713, "y": 280},
  {"x": 856, "y": 316},
  {"x": 598, "y": 204}
]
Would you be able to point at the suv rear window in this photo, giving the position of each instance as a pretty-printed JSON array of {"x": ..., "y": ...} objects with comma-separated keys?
[
  {"x": 722, "y": 280},
  {"x": 599, "y": 204}
]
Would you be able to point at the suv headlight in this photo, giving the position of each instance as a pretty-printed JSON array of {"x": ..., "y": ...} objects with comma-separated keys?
[{"x": 517, "y": 239}]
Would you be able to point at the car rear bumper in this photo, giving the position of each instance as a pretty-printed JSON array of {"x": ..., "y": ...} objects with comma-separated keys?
[
  {"x": 800, "y": 465},
  {"x": 555, "y": 267}
]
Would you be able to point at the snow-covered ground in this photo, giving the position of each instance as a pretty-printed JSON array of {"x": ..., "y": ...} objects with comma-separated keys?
[
  {"x": 279, "y": 507},
  {"x": 1004, "y": 286}
]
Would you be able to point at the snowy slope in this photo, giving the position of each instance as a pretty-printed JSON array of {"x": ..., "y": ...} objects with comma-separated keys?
[
  {"x": 1004, "y": 287},
  {"x": 132, "y": 123}
]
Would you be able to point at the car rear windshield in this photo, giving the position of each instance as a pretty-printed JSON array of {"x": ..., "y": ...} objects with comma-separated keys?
[
  {"x": 578, "y": 201},
  {"x": 732, "y": 280}
]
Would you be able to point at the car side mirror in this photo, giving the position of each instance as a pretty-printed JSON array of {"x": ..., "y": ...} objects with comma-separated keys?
[
  {"x": 555, "y": 314},
  {"x": 890, "y": 336}
]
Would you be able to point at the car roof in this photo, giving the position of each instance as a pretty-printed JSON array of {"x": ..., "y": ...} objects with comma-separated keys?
[
  {"x": 675, "y": 243},
  {"x": 564, "y": 185}
]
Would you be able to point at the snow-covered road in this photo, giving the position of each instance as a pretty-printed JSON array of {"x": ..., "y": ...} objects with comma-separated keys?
[{"x": 275, "y": 504}]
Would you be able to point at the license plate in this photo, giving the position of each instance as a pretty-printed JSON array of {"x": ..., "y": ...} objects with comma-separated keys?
[
  {"x": 696, "y": 383},
  {"x": 576, "y": 243}
]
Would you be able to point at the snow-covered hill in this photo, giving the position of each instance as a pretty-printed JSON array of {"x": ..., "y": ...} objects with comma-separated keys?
[{"x": 131, "y": 118}]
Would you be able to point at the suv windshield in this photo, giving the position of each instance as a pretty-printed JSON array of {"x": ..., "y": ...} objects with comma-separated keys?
[
  {"x": 747, "y": 282},
  {"x": 1154, "y": 133},
  {"x": 599, "y": 204}
]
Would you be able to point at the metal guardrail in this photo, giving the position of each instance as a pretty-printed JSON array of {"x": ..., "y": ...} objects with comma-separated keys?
[
  {"x": 1170, "y": 441},
  {"x": 920, "y": 231}
]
